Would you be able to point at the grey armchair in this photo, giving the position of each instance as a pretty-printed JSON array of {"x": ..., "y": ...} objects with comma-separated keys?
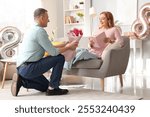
[{"x": 113, "y": 62}]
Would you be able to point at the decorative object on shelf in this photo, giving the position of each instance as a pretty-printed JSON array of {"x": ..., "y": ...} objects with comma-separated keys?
[
  {"x": 92, "y": 14},
  {"x": 141, "y": 26},
  {"x": 80, "y": 14},
  {"x": 81, "y": 4},
  {"x": 9, "y": 38},
  {"x": 69, "y": 19},
  {"x": 76, "y": 7},
  {"x": 80, "y": 17}
]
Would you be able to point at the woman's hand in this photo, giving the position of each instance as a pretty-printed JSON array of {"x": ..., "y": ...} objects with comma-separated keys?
[
  {"x": 111, "y": 41},
  {"x": 91, "y": 42},
  {"x": 108, "y": 40}
]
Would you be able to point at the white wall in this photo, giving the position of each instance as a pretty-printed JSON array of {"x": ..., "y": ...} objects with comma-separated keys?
[
  {"x": 55, "y": 12},
  {"x": 126, "y": 11},
  {"x": 60, "y": 17},
  {"x": 51, "y": 7},
  {"x": 17, "y": 13},
  {"x": 103, "y": 5},
  {"x": 123, "y": 10}
]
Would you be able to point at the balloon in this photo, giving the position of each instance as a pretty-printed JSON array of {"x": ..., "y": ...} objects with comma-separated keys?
[
  {"x": 9, "y": 39},
  {"x": 141, "y": 26}
]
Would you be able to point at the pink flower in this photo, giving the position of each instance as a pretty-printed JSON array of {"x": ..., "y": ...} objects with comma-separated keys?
[{"x": 75, "y": 34}]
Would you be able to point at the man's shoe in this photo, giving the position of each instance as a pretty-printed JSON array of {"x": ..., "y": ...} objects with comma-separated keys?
[
  {"x": 57, "y": 91},
  {"x": 16, "y": 84}
]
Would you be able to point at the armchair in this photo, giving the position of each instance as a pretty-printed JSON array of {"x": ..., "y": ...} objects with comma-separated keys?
[{"x": 113, "y": 62}]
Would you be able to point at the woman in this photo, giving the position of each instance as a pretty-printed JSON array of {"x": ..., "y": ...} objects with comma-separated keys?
[
  {"x": 95, "y": 50},
  {"x": 112, "y": 33}
]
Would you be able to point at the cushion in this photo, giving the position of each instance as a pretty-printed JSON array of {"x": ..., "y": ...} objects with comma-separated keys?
[{"x": 88, "y": 64}]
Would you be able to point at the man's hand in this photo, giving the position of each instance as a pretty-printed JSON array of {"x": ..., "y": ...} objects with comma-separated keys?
[
  {"x": 59, "y": 44},
  {"x": 72, "y": 45}
]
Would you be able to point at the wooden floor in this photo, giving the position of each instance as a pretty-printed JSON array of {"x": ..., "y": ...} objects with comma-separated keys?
[{"x": 134, "y": 84}]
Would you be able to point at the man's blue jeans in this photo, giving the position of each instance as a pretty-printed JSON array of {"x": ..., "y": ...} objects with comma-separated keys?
[{"x": 32, "y": 73}]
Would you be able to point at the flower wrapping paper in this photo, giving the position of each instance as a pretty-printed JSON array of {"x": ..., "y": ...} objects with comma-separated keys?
[{"x": 73, "y": 35}]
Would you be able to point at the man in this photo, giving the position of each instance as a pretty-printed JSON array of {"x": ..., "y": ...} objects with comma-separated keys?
[{"x": 31, "y": 64}]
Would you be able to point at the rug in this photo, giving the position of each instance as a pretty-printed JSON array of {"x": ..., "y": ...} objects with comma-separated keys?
[{"x": 75, "y": 93}]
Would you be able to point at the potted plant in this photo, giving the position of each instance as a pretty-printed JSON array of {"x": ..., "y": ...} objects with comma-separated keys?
[{"x": 80, "y": 16}]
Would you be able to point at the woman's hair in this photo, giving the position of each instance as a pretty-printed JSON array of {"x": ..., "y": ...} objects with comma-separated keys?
[
  {"x": 39, "y": 11},
  {"x": 109, "y": 17}
]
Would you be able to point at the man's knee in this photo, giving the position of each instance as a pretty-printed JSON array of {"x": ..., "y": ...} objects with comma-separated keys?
[{"x": 61, "y": 57}]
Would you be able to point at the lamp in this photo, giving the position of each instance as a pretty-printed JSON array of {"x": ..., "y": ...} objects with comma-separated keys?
[{"x": 92, "y": 14}]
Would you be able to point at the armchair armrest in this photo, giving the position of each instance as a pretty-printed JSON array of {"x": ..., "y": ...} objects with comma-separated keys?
[{"x": 115, "y": 59}]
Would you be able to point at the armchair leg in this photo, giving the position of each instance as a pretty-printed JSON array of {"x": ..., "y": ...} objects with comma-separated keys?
[
  {"x": 121, "y": 80},
  {"x": 102, "y": 84}
]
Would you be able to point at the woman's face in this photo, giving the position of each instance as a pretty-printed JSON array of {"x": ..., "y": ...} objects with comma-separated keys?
[{"x": 103, "y": 21}]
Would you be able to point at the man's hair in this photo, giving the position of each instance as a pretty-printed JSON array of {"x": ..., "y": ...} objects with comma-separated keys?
[{"x": 39, "y": 11}]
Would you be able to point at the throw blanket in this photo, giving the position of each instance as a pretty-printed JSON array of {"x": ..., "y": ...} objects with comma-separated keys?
[{"x": 81, "y": 54}]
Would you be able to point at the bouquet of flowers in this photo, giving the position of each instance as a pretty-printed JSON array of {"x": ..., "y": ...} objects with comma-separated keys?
[{"x": 73, "y": 35}]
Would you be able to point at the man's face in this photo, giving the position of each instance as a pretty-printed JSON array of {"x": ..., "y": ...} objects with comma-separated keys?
[{"x": 44, "y": 19}]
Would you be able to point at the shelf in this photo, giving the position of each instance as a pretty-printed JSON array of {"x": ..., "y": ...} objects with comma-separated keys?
[
  {"x": 71, "y": 10},
  {"x": 74, "y": 24}
]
